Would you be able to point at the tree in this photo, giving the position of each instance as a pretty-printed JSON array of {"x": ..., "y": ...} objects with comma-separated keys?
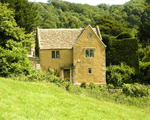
[
  {"x": 144, "y": 26},
  {"x": 108, "y": 25},
  {"x": 14, "y": 45},
  {"x": 8, "y": 28},
  {"x": 143, "y": 32},
  {"x": 25, "y": 15}
]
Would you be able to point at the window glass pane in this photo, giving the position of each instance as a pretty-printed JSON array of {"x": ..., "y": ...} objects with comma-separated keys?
[
  {"x": 90, "y": 70},
  {"x": 53, "y": 54},
  {"x": 87, "y": 53},
  {"x": 91, "y": 53},
  {"x": 57, "y": 54}
]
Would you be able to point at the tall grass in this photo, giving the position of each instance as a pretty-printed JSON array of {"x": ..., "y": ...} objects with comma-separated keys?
[
  {"x": 101, "y": 93},
  {"x": 45, "y": 101}
]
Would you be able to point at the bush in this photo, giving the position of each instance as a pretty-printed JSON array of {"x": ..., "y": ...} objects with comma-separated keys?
[
  {"x": 38, "y": 76},
  {"x": 145, "y": 72},
  {"x": 14, "y": 61},
  {"x": 124, "y": 35},
  {"x": 110, "y": 86},
  {"x": 119, "y": 74},
  {"x": 83, "y": 85},
  {"x": 107, "y": 40},
  {"x": 92, "y": 85},
  {"x": 124, "y": 50},
  {"x": 136, "y": 90},
  {"x": 68, "y": 86},
  {"x": 53, "y": 72}
]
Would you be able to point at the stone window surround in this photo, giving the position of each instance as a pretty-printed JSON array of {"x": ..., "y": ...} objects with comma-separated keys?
[
  {"x": 89, "y": 48},
  {"x": 55, "y": 54}
]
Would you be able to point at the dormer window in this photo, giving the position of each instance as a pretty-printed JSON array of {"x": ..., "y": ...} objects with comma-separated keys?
[{"x": 89, "y": 35}]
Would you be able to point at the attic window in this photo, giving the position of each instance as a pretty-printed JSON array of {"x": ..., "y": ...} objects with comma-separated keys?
[{"x": 89, "y": 35}]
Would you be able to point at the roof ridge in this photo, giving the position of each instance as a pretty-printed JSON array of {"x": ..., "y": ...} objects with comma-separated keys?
[{"x": 63, "y": 29}]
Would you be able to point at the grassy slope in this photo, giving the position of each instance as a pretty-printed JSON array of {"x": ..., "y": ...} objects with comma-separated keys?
[{"x": 24, "y": 100}]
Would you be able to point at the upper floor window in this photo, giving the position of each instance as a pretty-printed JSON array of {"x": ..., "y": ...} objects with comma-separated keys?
[
  {"x": 89, "y": 35},
  {"x": 55, "y": 54},
  {"x": 89, "y": 53}
]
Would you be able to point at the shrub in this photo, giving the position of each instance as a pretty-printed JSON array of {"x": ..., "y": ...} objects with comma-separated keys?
[
  {"x": 136, "y": 90},
  {"x": 145, "y": 72},
  {"x": 124, "y": 35},
  {"x": 14, "y": 61},
  {"x": 68, "y": 86},
  {"x": 83, "y": 85},
  {"x": 110, "y": 86},
  {"x": 92, "y": 85},
  {"x": 124, "y": 50},
  {"x": 107, "y": 40},
  {"x": 37, "y": 76},
  {"x": 119, "y": 74},
  {"x": 53, "y": 72}
]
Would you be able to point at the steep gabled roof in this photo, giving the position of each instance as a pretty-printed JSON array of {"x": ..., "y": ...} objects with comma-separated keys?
[
  {"x": 59, "y": 38},
  {"x": 96, "y": 31}
]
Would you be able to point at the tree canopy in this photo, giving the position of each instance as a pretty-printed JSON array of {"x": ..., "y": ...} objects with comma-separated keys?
[
  {"x": 14, "y": 44},
  {"x": 24, "y": 14}
]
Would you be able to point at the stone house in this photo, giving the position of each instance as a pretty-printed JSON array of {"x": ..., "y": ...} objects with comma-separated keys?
[{"x": 76, "y": 54}]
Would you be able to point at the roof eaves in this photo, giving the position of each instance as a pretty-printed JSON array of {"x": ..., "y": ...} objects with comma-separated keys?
[
  {"x": 98, "y": 36},
  {"x": 80, "y": 36},
  {"x": 56, "y": 48}
]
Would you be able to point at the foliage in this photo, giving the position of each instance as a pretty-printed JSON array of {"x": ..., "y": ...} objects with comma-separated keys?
[
  {"x": 84, "y": 85},
  {"x": 53, "y": 72},
  {"x": 134, "y": 10},
  {"x": 9, "y": 31},
  {"x": 92, "y": 85},
  {"x": 14, "y": 45},
  {"x": 124, "y": 50},
  {"x": 14, "y": 61},
  {"x": 124, "y": 35},
  {"x": 145, "y": 72},
  {"x": 144, "y": 25},
  {"x": 108, "y": 25},
  {"x": 110, "y": 86},
  {"x": 146, "y": 57},
  {"x": 25, "y": 15},
  {"x": 112, "y": 19},
  {"x": 136, "y": 90},
  {"x": 143, "y": 32},
  {"x": 38, "y": 76},
  {"x": 119, "y": 74},
  {"x": 107, "y": 41}
]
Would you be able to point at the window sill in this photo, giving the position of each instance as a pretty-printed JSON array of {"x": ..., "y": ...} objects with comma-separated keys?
[
  {"x": 55, "y": 58},
  {"x": 89, "y": 57}
]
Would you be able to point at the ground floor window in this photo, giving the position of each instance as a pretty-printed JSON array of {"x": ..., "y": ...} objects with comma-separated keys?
[
  {"x": 55, "y": 54},
  {"x": 90, "y": 70}
]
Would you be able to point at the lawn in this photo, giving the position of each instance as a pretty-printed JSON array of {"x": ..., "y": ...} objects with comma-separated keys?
[{"x": 36, "y": 101}]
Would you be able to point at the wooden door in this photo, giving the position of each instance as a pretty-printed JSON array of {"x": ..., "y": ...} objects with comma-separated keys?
[{"x": 67, "y": 74}]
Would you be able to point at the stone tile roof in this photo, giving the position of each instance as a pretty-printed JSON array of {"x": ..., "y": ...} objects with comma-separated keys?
[{"x": 59, "y": 38}]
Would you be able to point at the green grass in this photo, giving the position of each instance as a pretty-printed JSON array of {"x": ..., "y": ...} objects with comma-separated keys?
[{"x": 41, "y": 101}]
